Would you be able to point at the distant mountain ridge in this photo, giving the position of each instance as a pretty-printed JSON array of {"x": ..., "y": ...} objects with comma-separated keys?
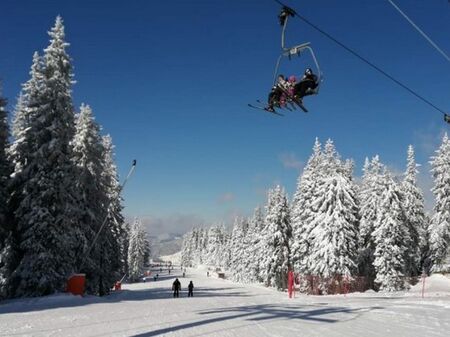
[{"x": 165, "y": 244}]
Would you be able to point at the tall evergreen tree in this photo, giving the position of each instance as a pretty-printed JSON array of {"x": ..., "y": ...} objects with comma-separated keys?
[
  {"x": 201, "y": 246},
  {"x": 224, "y": 252},
  {"x": 348, "y": 167},
  {"x": 195, "y": 247},
  {"x": 28, "y": 104},
  {"x": 415, "y": 215},
  {"x": 237, "y": 249},
  {"x": 369, "y": 198},
  {"x": 332, "y": 228},
  {"x": 47, "y": 205},
  {"x": 100, "y": 193},
  {"x": 334, "y": 234},
  {"x": 5, "y": 171},
  {"x": 114, "y": 238},
  {"x": 214, "y": 246},
  {"x": 254, "y": 250},
  {"x": 19, "y": 156},
  {"x": 87, "y": 152},
  {"x": 390, "y": 236},
  {"x": 124, "y": 244},
  {"x": 278, "y": 233},
  {"x": 303, "y": 210},
  {"x": 186, "y": 249},
  {"x": 439, "y": 229},
  {"x": 136, "y": 250}
]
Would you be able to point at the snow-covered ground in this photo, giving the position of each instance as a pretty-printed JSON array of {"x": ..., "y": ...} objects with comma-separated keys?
[{"x": 223, "y": 308}]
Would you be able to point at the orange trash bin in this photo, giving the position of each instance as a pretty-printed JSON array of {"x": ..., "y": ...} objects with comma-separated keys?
[{"x": 75, "y": 284}]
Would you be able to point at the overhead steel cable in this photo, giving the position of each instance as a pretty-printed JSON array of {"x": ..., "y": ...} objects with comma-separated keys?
[
  {"x": 362, "y": 58},
  {"x": 420, "y": 31}
]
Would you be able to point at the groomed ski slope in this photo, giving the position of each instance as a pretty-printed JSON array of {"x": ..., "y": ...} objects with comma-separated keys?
[{"x": 223, "y": 308}]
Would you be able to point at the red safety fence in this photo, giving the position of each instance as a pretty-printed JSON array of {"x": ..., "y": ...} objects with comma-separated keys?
[{"x": 338, "y": 284}]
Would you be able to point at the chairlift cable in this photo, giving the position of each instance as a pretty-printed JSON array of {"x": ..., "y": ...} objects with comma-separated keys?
[
  {"x": 420, "y": 31},
  {"x": 411, "y": 91}
]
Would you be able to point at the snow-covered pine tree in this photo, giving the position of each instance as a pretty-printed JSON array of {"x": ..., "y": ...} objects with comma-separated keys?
[
  {"x": 194, "y": 247},
  {"x": 201, "y": 246},
  {"x": 302, "y": 211},
  {"x": 186, "y": 249},
  {"x": 87, "y": 156},
  {"x": 214, "y": 246},
  {"x": 115, "y": 236},
  {"x": 390, "y": 236},
  {"x": 348, "y": 167},
  {"x": 5, "y": 171},
  {"x": 331, "y": 160},
  {"x": 204, "y": 246},
  {"x": 137, "y": 250},
  {"x": 28, "y": 103},
  {"x": 277, "y": 234},
  {"x": 223, "y": 261},
  {"x": 415, "y": 215},
  {"x": 253, "y": 251},
  {"x": 237, "y": 249},
  {"x": 124, "y": 244},
  {"x": 439, "y": 230},
  {"x": 147, "y": 249},
  {"x": 19, "y": 152},
  {"x": 47, "y": 206},
  {"x": 335, "y": 225},
  {"x": 369, "y": 196}
]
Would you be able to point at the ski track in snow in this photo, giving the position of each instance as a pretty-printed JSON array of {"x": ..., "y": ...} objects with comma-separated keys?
[{"x": 223, "y": 308}]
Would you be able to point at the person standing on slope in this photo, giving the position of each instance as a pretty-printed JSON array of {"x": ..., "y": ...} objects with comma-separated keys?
[
  {"x": 176, "y": 287},
  {"x": 191, "y": 289}
]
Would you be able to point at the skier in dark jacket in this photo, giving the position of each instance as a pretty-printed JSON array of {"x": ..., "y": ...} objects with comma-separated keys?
[
  {"x": 176, "y": 287},
  {"x": 191, "y": 289},
  {"x": 306, "y": 85}
]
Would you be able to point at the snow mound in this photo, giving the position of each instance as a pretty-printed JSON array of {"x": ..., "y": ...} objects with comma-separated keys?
[{"x": 435, "y": 285}]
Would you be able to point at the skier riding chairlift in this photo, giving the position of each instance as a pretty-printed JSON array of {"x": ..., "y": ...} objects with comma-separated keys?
[
  {"x": 310, "y": 83},
  {"x": 276, "y": 94},
  {"x": 306, "y": 85}
]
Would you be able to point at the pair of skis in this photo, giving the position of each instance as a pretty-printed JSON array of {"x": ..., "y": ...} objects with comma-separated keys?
[
  {"x": 260, "y": 106},
  {"x": 290, "y": 100}
]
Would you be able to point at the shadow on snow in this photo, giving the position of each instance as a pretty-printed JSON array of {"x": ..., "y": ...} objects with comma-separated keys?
[
  {"x": 67, "y": 301},
  {"x": 266, "y": 312}
]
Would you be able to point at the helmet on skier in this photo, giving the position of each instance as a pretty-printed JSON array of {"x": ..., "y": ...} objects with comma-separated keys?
[
  {"x": 292, "y": 79},
  {"x": 308, "y": 71}
]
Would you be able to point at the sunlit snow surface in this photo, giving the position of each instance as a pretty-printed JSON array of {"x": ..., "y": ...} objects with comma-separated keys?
[{"x": 223, "y": 308}]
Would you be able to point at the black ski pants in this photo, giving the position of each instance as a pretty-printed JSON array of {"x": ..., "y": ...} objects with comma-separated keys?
[{"x": 301, "y": 87}]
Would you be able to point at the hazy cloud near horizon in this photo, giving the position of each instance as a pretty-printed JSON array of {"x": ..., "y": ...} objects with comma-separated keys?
[
  {"x": 173, "y": 224},
  {"x": 290, "y": 161},
  {"x": 226, "y": 197}
]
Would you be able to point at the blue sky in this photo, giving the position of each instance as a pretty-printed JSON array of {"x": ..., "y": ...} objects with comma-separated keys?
[{"x": 170, "y": 81}]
